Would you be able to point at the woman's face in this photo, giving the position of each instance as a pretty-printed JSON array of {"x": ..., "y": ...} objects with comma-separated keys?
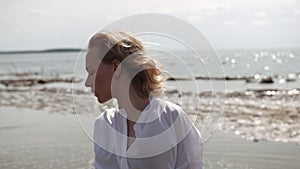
[{"x": 99, "y": 76}]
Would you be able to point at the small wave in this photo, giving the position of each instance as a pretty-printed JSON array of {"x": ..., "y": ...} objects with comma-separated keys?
[{"x": 10, "y": 127}]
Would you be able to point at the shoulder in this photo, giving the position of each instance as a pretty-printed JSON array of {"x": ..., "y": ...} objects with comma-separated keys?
[
  {"x": 170, "y": 113},
  {"x": 175, "y": 114},
  {"x": 104, "y": 123},
  {"x": 107, "y": 116},
  {"x": 170, "y": 107}
]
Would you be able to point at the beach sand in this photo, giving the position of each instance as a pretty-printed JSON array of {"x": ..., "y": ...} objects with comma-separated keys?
[
  {"x": 226, "y": 150},
  {"x": 36, "y": 139},
  {"x": 33, "y": 138}
]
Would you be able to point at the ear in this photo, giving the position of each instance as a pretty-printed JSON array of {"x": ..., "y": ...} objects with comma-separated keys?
[{"x": 117, "y": 67}]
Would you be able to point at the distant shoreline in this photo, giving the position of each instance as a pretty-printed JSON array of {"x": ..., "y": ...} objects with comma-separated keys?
[
  {"x": 43, "y": 51},
  {"x": 54, "y": 50}
]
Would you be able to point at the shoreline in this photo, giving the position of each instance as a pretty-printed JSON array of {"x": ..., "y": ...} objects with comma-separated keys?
[{"x": 255, "y": 115}]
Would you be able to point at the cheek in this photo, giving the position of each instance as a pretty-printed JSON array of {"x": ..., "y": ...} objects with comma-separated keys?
[
  {"x": 102, "y": 82},
  {"x": 98, "y": 82},
  {"x": 103, "y": 79}
]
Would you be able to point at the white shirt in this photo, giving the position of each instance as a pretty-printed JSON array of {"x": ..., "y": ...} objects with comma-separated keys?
[{"x": 165, "y": 139}]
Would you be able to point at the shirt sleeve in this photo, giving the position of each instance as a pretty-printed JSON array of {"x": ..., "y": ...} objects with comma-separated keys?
[
  {"x": 103, "y": 159},
  {"x": 190, "y": 151}
]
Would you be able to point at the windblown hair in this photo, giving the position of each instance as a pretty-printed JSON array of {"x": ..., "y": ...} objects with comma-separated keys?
[{"x": 148, "y": 77}]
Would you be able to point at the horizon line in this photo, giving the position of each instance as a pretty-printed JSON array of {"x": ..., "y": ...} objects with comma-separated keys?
[{"x": 75, "y": 49}]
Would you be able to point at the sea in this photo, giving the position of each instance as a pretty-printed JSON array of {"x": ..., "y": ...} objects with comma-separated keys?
[{"x": 226, "y": 70}]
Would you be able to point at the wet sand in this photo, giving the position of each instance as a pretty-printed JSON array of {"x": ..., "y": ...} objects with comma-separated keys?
[
  {"x": 33, "y": 138},
  {"x": 226, "y": 150},
  {"x": 36, "y": 139}
]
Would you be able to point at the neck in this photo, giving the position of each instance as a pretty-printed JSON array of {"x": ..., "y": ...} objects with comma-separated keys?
[{"x": 133, "y": 106}]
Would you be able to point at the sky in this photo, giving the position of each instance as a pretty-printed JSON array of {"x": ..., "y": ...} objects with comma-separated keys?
[{"x": 228, "y": 24}]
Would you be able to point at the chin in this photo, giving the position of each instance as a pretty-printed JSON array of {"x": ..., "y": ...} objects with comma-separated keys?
[{"x": 102, "y": 100}]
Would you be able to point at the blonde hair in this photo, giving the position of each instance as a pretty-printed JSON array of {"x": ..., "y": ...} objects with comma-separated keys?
[{"x": 149, "y": 78}]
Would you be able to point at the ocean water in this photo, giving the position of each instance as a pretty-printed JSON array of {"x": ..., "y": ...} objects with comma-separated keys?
[{"x": 277, "y": 63}]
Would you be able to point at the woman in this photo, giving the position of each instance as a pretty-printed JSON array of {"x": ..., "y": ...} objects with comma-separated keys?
[{"x": 143, "y": 131}]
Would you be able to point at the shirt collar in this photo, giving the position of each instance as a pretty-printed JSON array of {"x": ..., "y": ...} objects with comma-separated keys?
[{"x": 150, "y": 113}]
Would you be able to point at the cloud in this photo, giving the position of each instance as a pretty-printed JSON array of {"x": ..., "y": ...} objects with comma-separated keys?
[
  {"x": 223, "y": 7},
  {"x": 287, "y": 19},
  {"x": 297, "y": 12},
  {"x": 230, "y": 23},
  {"x": 193, "y": 18},
  {"x": 260, "y": 15},
  {"x": 157, "y": 10},
  {"x": 289, "y": 2},
  {"x": 260, "y": 22},
  {"x": 261, "y": 19},
  {"x": 212, "y": 9},
  {"x": 291, "y": 16},
  {"x": 37, "y": 13}
]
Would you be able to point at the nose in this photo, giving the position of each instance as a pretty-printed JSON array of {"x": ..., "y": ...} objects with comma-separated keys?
[{"x": 87, "y": 82}]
